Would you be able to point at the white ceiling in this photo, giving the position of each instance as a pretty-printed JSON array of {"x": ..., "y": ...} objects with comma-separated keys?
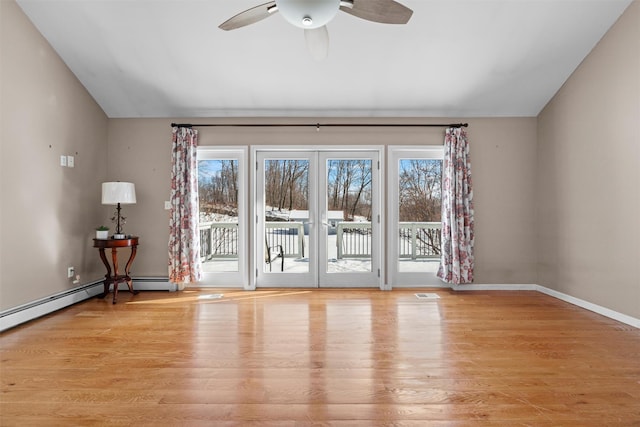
[{"x": 455, "y": 58}]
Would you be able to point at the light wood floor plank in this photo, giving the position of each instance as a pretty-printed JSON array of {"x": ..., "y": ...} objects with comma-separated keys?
[{"x": 321, "y": 357}]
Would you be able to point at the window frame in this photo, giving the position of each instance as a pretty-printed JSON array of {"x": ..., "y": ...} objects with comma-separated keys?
[
  {"x": 397, "y": 278},
  {"x": 240, "y": 278}
]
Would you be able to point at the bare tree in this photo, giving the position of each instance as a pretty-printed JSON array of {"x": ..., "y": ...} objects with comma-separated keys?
[
  {"x": 420, "y": 199},
  {"x": 363, "y": 169},
  {"x": 286, "y": 183},
  {"x": 218, "y": 186},
  {"x": 349, "y": 187},
  {"x": 420, "y": 190}
]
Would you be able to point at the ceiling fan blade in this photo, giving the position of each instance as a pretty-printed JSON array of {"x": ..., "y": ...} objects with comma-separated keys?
[
  {"x": 250, "y": 16},
  {"x": 382, "y": 11},
  {"x": 318, "y": 42}
]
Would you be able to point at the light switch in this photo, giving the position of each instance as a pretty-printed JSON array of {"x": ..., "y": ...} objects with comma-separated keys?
[
  {"x": 63, "y": 160},
  {"x": 70, "y": 161}
]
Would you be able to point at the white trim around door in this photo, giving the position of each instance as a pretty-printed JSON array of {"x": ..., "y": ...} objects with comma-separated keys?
[
  {"x": 407, "y": 266},
  {"x": 306, "y": 229}
]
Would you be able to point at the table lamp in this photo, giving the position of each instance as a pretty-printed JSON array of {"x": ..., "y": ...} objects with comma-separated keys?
[{"x": 117, "y": 193}]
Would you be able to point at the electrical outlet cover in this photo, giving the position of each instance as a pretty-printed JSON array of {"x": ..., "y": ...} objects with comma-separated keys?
[
  {"x": 63, "y": 160},
  {"x": 70, "y": 161}
]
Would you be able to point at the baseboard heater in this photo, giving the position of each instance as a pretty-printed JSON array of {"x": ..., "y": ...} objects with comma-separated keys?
[{"x": 41, "y": 307}]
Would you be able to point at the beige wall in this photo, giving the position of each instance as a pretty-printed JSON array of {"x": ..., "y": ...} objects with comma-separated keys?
[
  {"x": 48, "y": 212},
  {"x": 589, "y": 175},
  {"x": 503, "y": 153}
]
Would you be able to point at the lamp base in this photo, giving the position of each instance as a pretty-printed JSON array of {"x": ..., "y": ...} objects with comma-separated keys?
[{"x": 119, "y": 236}]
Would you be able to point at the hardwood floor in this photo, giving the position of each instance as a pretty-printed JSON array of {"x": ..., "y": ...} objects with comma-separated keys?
[{"x": 321, "y": 357}]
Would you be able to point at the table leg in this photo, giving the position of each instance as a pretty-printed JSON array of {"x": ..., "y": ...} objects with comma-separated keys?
[
  {"x": 127, "y": 267},
  {"x": 107, "y": 276},
  {"x": 114, "y": 257}
]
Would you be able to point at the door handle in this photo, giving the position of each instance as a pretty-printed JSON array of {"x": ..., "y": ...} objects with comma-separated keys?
[{"x": 323, "y": 220}]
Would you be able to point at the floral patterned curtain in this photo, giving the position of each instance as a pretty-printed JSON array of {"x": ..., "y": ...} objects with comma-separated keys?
[
  {"x": 184, "y": 237},
  {"x": 456, "y": 262}
]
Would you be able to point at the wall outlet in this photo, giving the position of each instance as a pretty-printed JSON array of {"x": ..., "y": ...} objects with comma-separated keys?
[
  {"x": 63, "y": 161},
  {"x": 71, "y": 271},
  {"x": 70, "y": 161},
  {"x": 167, "y": 205}
]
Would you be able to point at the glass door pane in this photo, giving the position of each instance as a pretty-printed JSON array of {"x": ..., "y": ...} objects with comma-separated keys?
[
  {"x": 286, "y": 215},
  {"x": 419, "y": 193},
  {"x": 285, "y": 212},
  {"x": 349, "y": 219}
]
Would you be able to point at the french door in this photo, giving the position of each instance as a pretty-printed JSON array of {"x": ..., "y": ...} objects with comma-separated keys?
[{"x": 317, "y": 216}]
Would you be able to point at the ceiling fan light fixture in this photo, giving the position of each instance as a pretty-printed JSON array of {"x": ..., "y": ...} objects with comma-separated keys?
[{"x": 308, "y": 14}]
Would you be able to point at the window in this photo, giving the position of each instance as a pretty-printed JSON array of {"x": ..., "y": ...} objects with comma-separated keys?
[
  {"x": 222, "y": 216},
  {"x": 415, "y": 178}
]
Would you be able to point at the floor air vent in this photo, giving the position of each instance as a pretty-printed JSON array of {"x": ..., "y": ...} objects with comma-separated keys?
[{"x": 427, "y": 296}]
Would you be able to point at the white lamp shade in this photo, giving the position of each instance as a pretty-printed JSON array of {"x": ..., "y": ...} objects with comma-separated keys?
[
  {"x": 118, "y": 192},
  {"x": 308, "y": 13}
]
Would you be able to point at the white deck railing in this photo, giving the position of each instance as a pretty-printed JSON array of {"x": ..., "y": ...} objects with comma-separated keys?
[
  {"x": 218, "y": 240},
  {"x": 353, "y": 239},
  {"x": 419, "y": 239},
  {"x": 289, "y": 235},
  {"x": 416, "y": 240}
]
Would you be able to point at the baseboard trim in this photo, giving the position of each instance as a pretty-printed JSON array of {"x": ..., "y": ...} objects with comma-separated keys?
[
  {"x": 611, "y": 314},
  {"x": 41, "y": 307},
  {"x": 623, "y": 318},
  {"x": 500, "y": 287}
]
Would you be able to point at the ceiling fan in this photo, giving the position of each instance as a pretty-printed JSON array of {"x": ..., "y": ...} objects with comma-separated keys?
[{"x": 313, "y": 16}]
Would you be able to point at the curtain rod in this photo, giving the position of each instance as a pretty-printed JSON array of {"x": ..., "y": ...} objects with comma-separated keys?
[{"x": 318, "y": 125}]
